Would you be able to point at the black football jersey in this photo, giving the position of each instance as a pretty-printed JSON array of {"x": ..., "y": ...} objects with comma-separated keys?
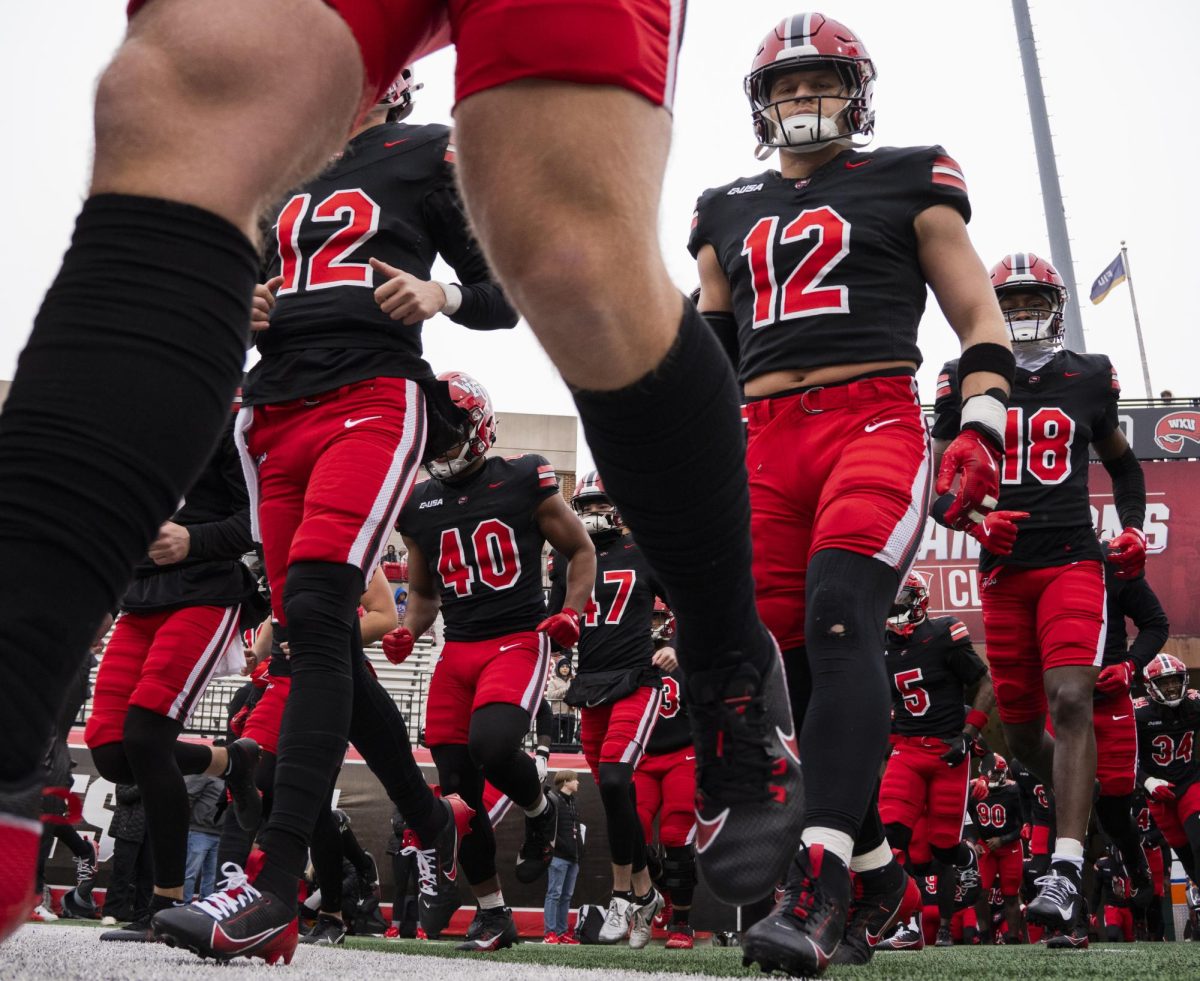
[
  {"x": 824, "y": 270},
  {"x": 390, "y": 196},
  {"x": 672, "y": 731},
  {"x": 1133, "y": 599},
  {"x": 998, "y": 815},
  {"x": 930, "y": 672},
  {"x": 615, "y": 626},
  {"x": 1167, "y": 740},
  {"x": 1035, "y": 798},
  {"x": 1147, "y": 827},
  {"x": 483, "y": 546},
  {"x": 1054, "y": 413}
]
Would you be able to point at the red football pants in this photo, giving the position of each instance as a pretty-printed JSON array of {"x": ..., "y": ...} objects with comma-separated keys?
[
  {"x": 1116, "y": 744},
  {"x": 618, "y": 733},
  {"x": 917, "y": 782},
  {"x": 666, "y": 788},
  {"x": 1169, "y": 815}
]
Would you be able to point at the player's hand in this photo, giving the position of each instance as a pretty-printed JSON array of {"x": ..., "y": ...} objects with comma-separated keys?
[
  {"x": 997, "y": 532},
  {"x": 1026, "y": 832},
  {"x": 1160, "y": 790},
  {"x": 957, "y": 748},
  {"x": 1115, "y": 679},
  {"x": 398, "y": 644},
  {"x": 979, "y": 747},
  {"x": 406, "y": 297},
  {"x": 973, "y": 459},
  {"x": 665, "y": 660},
  {"x": 264, "y": 303},
  {"x": 172, "y": 544},
  {"x": 979, "y": 788},
  {"x": 1128, "y": 553},
  {"x": 250, "y": 658},
  {"x": 993, "y": 844},
  {"x": 562, "y": 628},
  {"x": 541, "y": 759}
]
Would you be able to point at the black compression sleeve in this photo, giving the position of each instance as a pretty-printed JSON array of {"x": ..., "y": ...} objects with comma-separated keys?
[
  {"x": 724, "y": 327},
  {"x": 1129, "y": 489}
]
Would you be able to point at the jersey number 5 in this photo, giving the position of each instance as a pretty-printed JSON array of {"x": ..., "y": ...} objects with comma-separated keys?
[
  {"x": 358, "y": 217},
  {"x": 803, "y": 292},
  {"x": 916, "y": 699}
]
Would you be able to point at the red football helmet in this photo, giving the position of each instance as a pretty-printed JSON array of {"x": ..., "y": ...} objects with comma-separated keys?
[
  {"x": 399, "y": 95},
  {"x": 1166, "y": 679},
  {"x": 911, "y": 606},
  {"x": 810, "y": 41},
  {"x": 478, "y": 428},
  {"x": 999, "y": 771},
  {"x": 1024, "y": 272},
  {"x": 589, "y": 491}
]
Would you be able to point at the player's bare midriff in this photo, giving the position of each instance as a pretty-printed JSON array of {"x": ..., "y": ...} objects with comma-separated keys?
[{"x": 829, "y": 374}]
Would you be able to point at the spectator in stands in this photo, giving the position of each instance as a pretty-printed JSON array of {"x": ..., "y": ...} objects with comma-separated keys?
[
  {"x": 1166, "y": 395},
  {"x": 564, "y": 866},
  {"x": 561, "y": 675},
  {"x": 128, "y": 896},
  {"x": 206, "y": 797},
  {"x": 401, "y": 598},
  {"x": 390, "y": 555}
]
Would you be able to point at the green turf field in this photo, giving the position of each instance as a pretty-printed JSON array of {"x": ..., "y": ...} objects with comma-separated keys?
[{"x": 1132, "y": 962}]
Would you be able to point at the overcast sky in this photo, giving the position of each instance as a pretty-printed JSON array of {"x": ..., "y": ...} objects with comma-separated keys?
[{"x": 1120, "y": 86}]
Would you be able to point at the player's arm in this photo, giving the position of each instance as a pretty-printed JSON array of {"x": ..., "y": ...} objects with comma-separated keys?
[
  {"x": 561, "y": 527},
  {"x": 379, "y": 609},
  {"x": 715, "y": 302},
  {"x": 1128, "y": 550},
  {"x": 985, "y": 368},
  {"x": 424, "y": 600},
  {"x": 982, "y": 706}
]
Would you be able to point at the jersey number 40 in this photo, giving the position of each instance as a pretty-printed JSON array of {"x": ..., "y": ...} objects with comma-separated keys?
[{"x": 493, "y": 558}]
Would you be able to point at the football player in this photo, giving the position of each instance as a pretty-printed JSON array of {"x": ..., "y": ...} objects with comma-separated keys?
[
  {"x": 179, "y": 629},
  {"x": 475, "y": 534},
  {"x": 1112, "y": 712},
  {"x": 1037, "y": 813},
  {"x": 142, "y": 336},
  {"x": 1115, "y": 890},
  {"x": 1042, "y": 581},
  {"x": 618, "y": 689},
  {"x": 332, "y": 431},
  {"x": 820, "y": 268},
  {"x": 1169, "y": 768},
  {"x": 1149, "y": 914},
  {"x": 665, "y": 785},
  {"x": 997, "y": 821}
]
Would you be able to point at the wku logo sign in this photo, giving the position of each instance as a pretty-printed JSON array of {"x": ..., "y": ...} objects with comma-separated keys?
[{"x": 1174, "y": 430}]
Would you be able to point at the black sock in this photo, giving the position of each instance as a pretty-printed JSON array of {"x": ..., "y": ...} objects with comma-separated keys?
[
  {"x": 677, "y": 427},
  {"x": 847, "y": 597},
  {"x": 320, "y": 603},
  {"x": 625, "y": 894},
  {"x": 118, "y": 399}
]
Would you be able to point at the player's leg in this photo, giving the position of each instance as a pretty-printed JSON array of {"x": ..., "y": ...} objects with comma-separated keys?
[
  {"x": 649, "y": 354},
  {"x": 677, "y": 828},
  {"x": 149, "y": 309},
  {"x": 1116, "y": 770}
]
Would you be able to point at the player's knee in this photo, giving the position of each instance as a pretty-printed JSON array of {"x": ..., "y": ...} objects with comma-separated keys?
[
  {"x": 149, "y": 738},
  {"x": 679, "y": 867},
  {"x": 112, "y": 763},
  {"x": 1071, "y": 705},
  {"x": 898, "y": 835},
  {"x": 614, "y": 781}
]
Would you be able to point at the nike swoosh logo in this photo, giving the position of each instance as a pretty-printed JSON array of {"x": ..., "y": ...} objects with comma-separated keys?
[
  {"x": 707, "y": 831},
  {"x": 688, "y": 759},
  {"x": 790, "y": 743},
  {"x": 1071, "y": 374},
  {"x": 495, "y": 485},
  {"x": 351, "y": 423},
  {"x": 592, "y": 705},
  {"x": 396, "y": 142},
  {"x": 854, "y": 165},
  {"x": 872, "y": 426},
  {"x": 1118, "y": 718},
  {"x": 508, "y": 647}
]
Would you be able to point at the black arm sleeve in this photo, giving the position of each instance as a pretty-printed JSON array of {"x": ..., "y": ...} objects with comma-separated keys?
[
  {"x": 558, "y": 584},
  {"x": 228, "y": 538},
  {"x": 1129, "y": 489},
  {"x": 724, "y": 327},
  {"x": 1140, "y": 605},
  {"x": 484, "y": 305}
]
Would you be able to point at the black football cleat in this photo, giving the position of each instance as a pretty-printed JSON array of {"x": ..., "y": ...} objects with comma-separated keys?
[
  {"x": 750, "y": 791},
  {"x": 944, "y": 937},
  {"x": 877, "y": 906},
  {"x": 803, "y": 931},
  {"x": 437, "y": 871},
  {"x": 239, "y": 778},
  {"x": 134, "y": 932},
  {"x": 497, "y": 931},
  {"x": 1076, "y": 939},
  {"x": 328, "y": 931},
  {"x": 1057, "y": 903},
  {"x": 236, "y": 921},
  {"x": 538, "y": 848}
]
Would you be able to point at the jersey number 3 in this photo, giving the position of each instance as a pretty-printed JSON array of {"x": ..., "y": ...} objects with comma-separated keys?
[
  {"x": 804, "y": 291},
  {"x": 357, "y": 218}
]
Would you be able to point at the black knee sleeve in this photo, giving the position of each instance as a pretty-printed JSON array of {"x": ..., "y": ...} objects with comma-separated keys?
[
  {"x": 320, "y": 604},
  {"x": 112, "y": 763},
  {"x": 117, "y": 402},
  {"x": 458, "y": 774},
  {"x": 679, "y": 874},
  {"x": 899, "y": 836},
  {"x": 707, "y": 576},
  {"x": 494, "y": 742},
  {"x": 624, "y": 828},
  {"x": 847, "y": 599}
]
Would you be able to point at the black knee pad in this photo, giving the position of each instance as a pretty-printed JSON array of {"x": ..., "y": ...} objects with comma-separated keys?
[
  {"x": 679, "y": 868},
  {"x": 112, "y": 763}
]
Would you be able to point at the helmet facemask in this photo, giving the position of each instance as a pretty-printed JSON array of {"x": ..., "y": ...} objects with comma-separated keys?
[
  {"x": 1167, "y": 689},
  {"x": 599, "y": 524},
  {"x": 909, "y": 610},
  {"x": 837, "y": 119}
]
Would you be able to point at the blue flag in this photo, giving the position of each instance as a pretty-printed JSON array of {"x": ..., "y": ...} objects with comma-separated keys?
[{"x": 1113, "y": 275}]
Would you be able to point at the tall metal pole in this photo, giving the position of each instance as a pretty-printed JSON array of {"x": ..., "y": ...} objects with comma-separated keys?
[
  {"x": 1052, "y": 204},
  {"x": 1137, "y": 323}
]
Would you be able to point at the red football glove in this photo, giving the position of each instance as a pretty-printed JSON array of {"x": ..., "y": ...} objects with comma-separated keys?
[
  {"x": 979, "y": 788},
  {"x": 976, "y": 463},
  {"x": 398, "y": 644},
  {"x": 1128, "y": 553},
  {"x": 997, "y": 531},
  {"x": 1160, "y": 790},
  {"x": 1115, "y": 679},
  {"x": 1026, "y": 832},
  {"x": 562, "y": 628}
]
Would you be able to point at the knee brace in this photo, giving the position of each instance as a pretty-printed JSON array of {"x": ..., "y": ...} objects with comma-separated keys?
[{"x": 679, "y": 873}]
